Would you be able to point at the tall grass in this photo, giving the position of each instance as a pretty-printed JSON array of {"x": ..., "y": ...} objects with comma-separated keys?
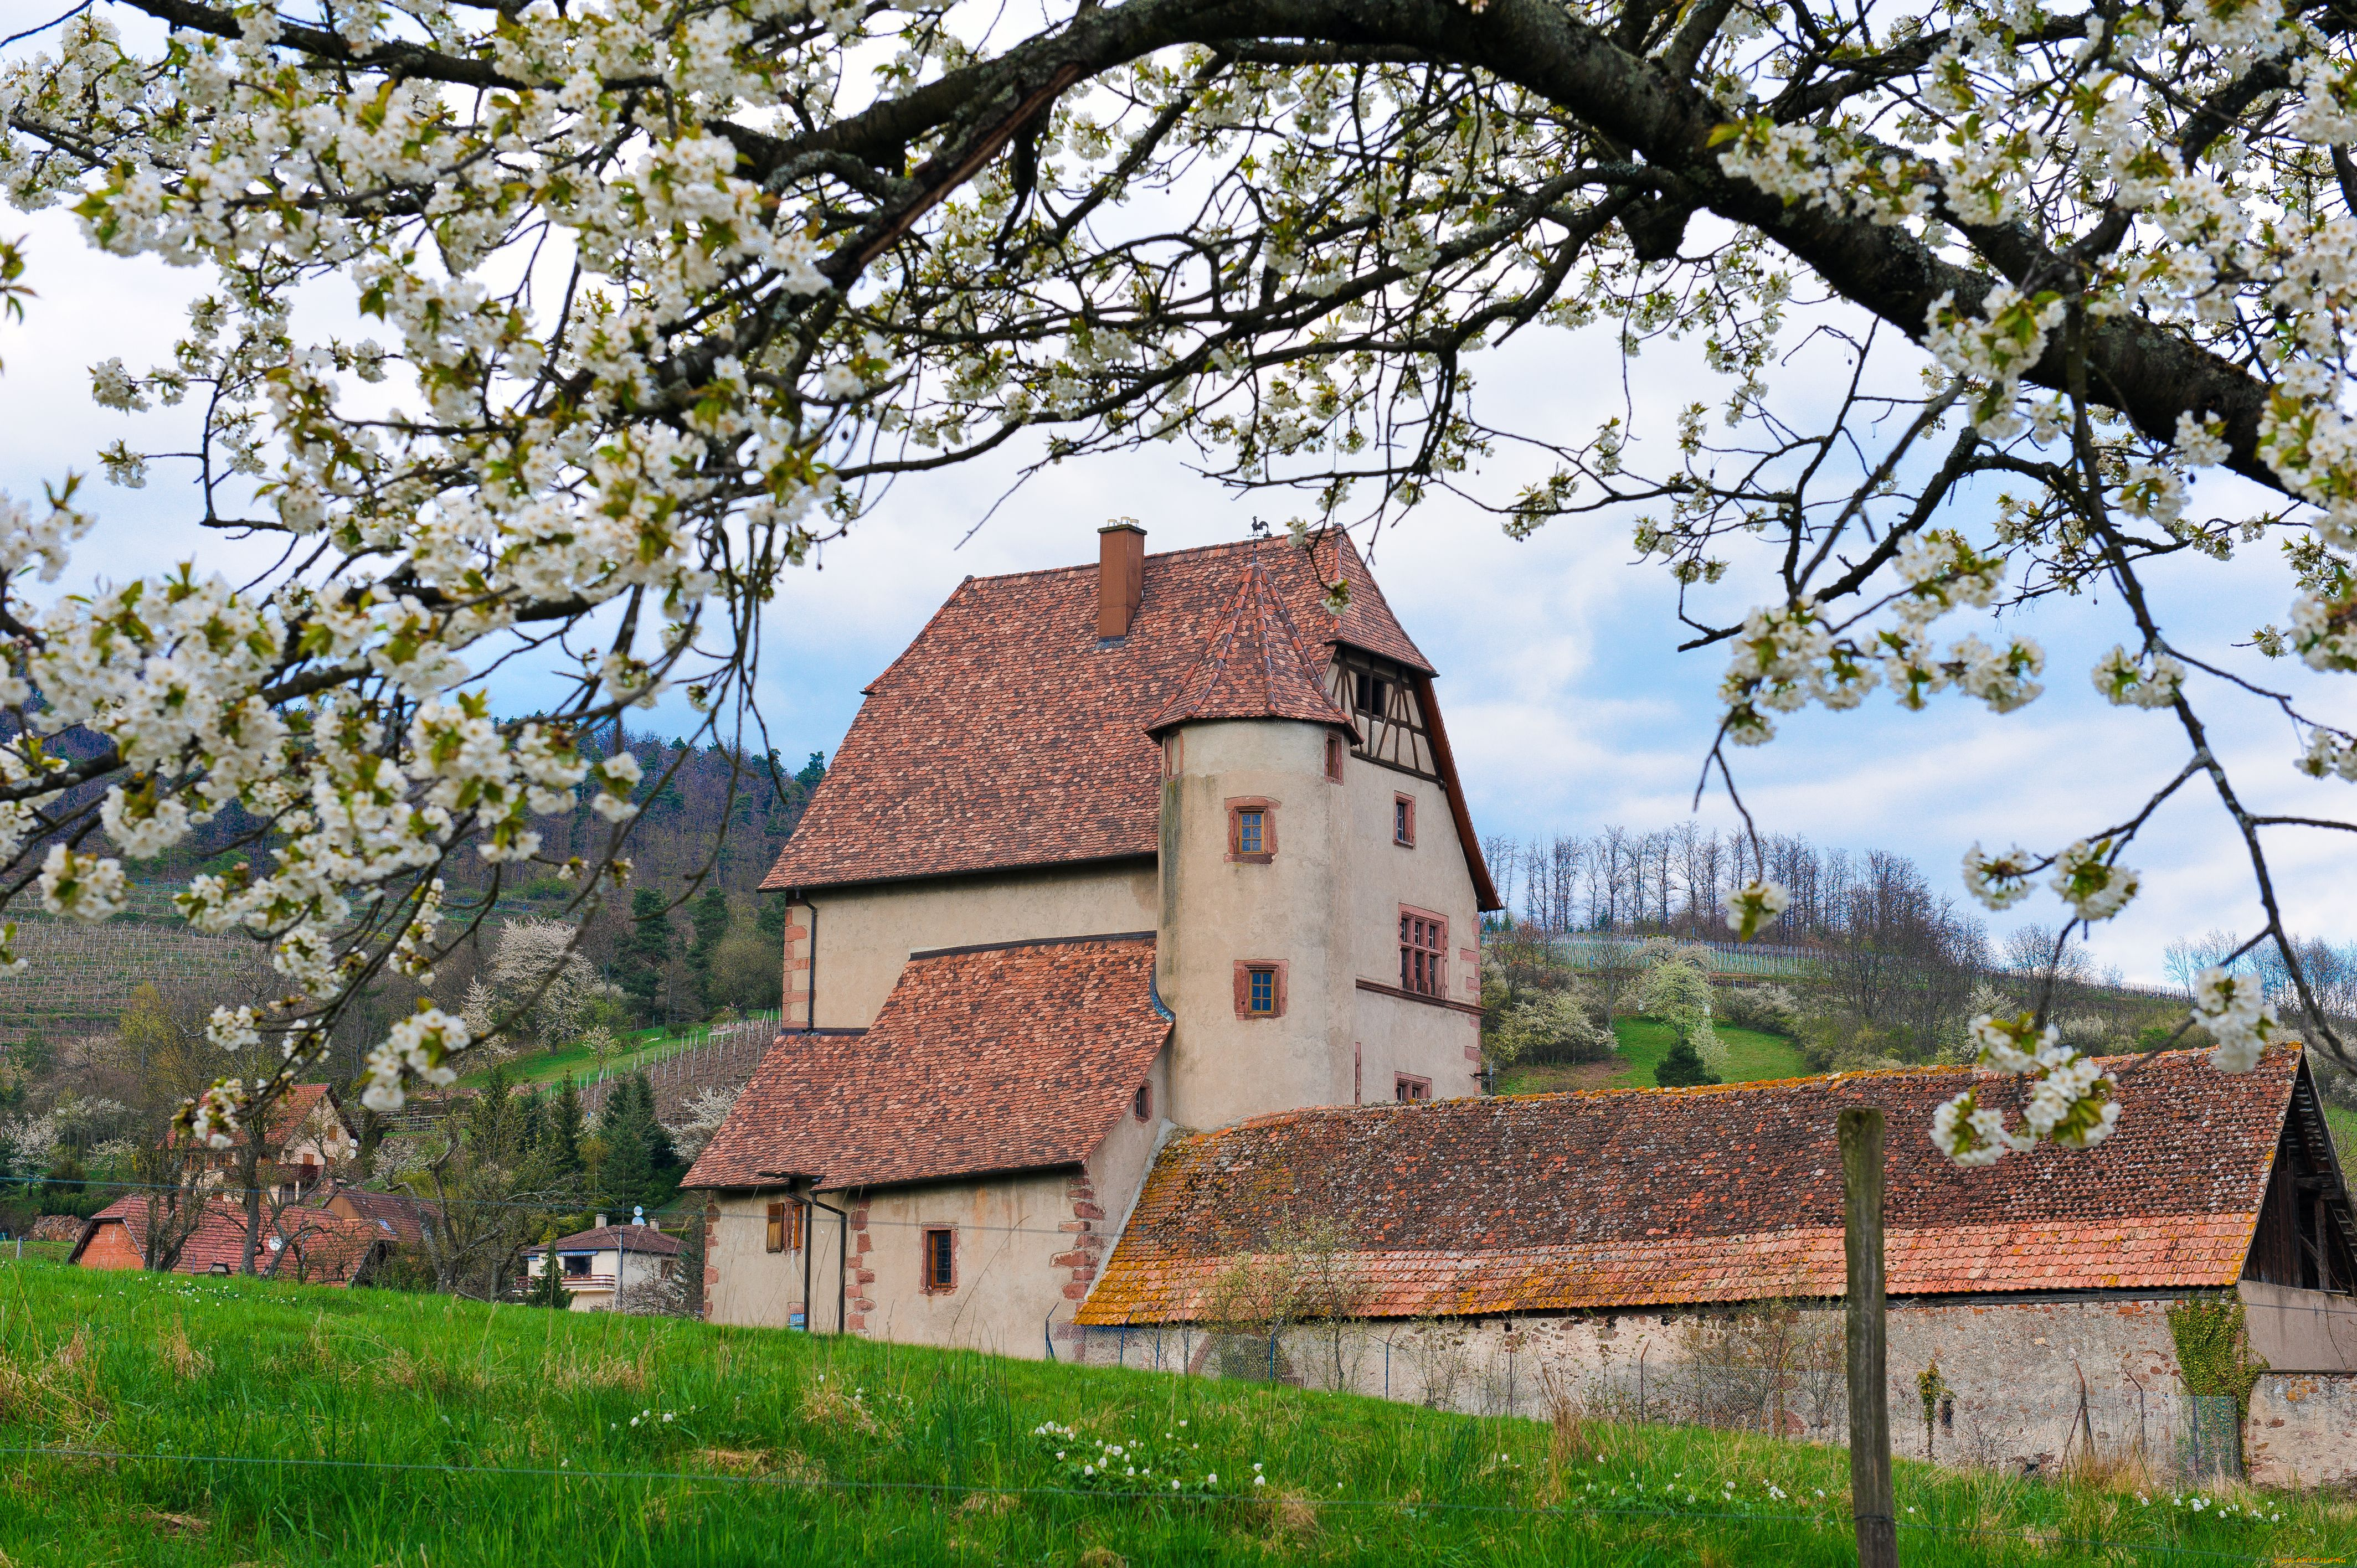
[{"x": 186, "y": 1421}]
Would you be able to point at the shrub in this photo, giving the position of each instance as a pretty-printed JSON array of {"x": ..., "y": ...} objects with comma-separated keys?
[
  {"x": 1566, "y": 1025},
  {"x": 1771, "y": 1009}
]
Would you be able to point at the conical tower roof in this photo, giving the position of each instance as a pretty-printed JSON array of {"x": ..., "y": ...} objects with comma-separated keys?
[{"x": 1255, "y": 668}]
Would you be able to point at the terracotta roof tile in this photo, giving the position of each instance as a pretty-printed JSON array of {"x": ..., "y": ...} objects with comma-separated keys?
[
  {"x": 1255, "y": 669},
  {"x": 1637, "y": 1198},
  {"x": 396, "y": 1214},
  {"x": 1000, "y": 1058},
  {"x": 1004, "y": 735},
  {"x": 623, "y": 1238},
  {"x": 321, "y": 1248}
]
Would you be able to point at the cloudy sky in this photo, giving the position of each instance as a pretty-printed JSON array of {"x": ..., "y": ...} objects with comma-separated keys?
[{"x": 1568, "y": 706}]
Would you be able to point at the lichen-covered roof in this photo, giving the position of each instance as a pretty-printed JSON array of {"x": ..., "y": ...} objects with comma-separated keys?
[
  {"x": 982, "y": 1060},
  {"x": 1008, "y": 736},
  {"x": 1647, "y": 1197}
]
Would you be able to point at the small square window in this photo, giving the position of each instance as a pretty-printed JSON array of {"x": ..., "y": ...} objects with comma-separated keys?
[
  {"x": 1408, "y": 1091},
  {"x": 1252, "y": 829},
  {"x": 1403, "y": 820},
  {"x": 941, "y": 1260},
  {"x": 1375, "y": 693},
  {"x": 1260, "y": 988}
]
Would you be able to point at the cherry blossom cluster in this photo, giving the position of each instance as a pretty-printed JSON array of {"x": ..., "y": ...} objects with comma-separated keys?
[
  {"x": 2069, "y": 1103},
  {"x": 2231, "y": 1006}
]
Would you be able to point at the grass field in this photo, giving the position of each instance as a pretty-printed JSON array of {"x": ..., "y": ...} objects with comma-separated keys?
[
  {"x": 160, "y": 1420},
  {"x": 1751, "y": 1056},
  {"x": 2344, "y": 1131}
]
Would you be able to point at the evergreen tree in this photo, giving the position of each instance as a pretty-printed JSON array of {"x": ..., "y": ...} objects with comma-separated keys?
[
  {"x": 563, "y": 1128},
  {"x": 640, "y": 1165},
  {"x": 710, "y": 916},
  {"x": 644, "y": 951},
  {"x": 548, "y": 1285},
  {"x": 770, "y": 915},
  {"x": 1682, "y": 1068},
  {"x": 813, "y": 771}
]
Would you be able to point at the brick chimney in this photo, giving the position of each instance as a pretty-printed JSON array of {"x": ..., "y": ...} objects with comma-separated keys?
[{"x": 1121, "y": 576}]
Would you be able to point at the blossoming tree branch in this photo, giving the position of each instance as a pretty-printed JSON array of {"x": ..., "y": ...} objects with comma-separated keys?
[{"x": 659, "y": 291}]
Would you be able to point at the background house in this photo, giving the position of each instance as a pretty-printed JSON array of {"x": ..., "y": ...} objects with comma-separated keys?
[
  {"x": 305, "y": 1136},
  {"x": 606, "y": 1263}
]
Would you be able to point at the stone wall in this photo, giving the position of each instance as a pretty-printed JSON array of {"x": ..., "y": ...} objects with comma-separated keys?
[
  {"x": 2023, "y": 1385},
  {"x": 2302, "y": 1430}
]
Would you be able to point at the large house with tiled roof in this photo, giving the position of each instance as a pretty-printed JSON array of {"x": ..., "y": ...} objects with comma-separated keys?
[{"x": 1162, "y": 842}]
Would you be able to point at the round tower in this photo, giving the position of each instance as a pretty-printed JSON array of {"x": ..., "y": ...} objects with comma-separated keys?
[{"x": 1252, "y": 957}]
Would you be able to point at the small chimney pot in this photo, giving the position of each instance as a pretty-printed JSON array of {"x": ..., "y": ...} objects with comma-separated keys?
[
  {"x": 1121, "y": 576},
  {"x": 601, "y": 1222}
]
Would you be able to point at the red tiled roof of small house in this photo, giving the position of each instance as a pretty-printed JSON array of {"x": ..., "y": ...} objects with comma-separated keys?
[
  {"x": 315, "y": 1247},
  {"x": 1638, "y": 1198},
  {"x": 983, "y": 1060},
  {"x": 621, "y": 1238},
  {"x": 1007, "y": 735}
]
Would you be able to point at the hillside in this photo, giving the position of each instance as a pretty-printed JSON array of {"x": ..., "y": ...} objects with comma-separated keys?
[
  {"x": 1752, "y": 1056},
  {"x": 239, "y": 1421}
]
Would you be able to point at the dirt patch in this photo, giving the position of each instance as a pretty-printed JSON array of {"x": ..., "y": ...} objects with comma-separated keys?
[
  {"x": 1561, "y": 1078},
  {"x": 179, "y": 1523}
]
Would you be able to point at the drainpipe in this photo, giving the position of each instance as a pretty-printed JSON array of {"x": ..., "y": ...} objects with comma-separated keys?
[
  {"x": 810, "y": 1245},
  {"x": 842, "y": 1260}
]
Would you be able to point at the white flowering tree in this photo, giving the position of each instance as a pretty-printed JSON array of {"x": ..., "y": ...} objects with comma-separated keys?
[{"x": 652, "y": 293}]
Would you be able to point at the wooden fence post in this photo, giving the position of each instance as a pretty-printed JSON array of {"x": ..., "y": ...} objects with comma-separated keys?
[{"x": 1871, "y": 1501}]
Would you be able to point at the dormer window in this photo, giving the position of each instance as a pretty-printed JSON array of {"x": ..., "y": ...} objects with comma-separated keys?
[{"x": 1375, "y": 693}]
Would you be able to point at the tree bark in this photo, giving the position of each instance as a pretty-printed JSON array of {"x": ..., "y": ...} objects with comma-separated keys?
[{"x": 1871, "y": 1503}]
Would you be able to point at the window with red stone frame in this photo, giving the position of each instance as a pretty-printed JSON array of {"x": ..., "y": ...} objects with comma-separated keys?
[
  {"x": 1404, "y": 821},
  {"x": 1423, "y": 952},
  {"x": 1251, "y": 830},
  {"x": 1407, "y": 1091},
  {"x": 1260, "y": 988}
]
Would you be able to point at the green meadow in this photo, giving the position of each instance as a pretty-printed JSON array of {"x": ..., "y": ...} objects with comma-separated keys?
[{"x": 152, "y": 1420}]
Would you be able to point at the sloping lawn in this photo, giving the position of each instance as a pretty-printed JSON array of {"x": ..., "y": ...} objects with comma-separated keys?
[
  {"x": 156, "y": 1419},
  {"x": 1751, "y": 1056}
]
